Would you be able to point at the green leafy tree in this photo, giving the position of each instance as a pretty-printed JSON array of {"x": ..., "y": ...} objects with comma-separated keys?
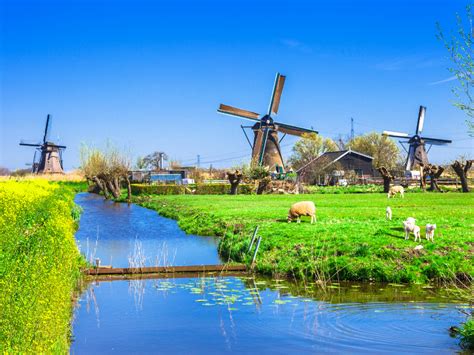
[
  {"x": 460, "y": 48},
  {"x": 155, "y": 160},
  {"x": 383, "y": 149},
  {"x": 309, "y": 147},
  {"x": 141, "y": 163}
]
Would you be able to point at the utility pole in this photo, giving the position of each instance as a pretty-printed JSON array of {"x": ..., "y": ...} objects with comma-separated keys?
[
  {"x": 198, "y": 163},
  {"x": 352, "y": 128}
]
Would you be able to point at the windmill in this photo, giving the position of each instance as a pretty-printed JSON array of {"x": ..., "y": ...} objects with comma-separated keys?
[
  {"x": 50, "y": 154},
  {"x": 417, "y": 154},
  {"x": 266, "y": 144}
]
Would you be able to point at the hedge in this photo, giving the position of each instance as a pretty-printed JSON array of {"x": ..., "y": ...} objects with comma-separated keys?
[{"x": 197, "y": 189}]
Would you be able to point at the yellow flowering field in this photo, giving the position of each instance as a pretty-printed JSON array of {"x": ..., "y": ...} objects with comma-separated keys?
[{"x": 39, "y": 265}]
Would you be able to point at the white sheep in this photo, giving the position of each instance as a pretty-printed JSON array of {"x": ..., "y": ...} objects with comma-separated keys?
[
  {"x": 430, "y": 229},
  {"x": 410, "y": 227},
  {"x": 303, "y": 208},
  {"x": 394, "y": 190},
  {"x": 388, "y": 213}
]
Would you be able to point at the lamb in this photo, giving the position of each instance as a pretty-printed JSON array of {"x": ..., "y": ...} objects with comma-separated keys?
[
  {"x": 303, "y": 208},
  {"x": 430, "y": 229},
  {"x": 394, "y": 190},
  {"x": 410, "y": 227},
  {"x": 388, "y": 213}
]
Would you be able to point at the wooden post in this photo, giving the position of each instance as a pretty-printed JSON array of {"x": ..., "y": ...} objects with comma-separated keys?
[
  {"x": 253, "y": 238},
  {"x": 256, "y": 250}
]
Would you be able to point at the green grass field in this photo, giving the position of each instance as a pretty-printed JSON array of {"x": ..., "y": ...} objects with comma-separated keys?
[{"x": 351, "y": 240}]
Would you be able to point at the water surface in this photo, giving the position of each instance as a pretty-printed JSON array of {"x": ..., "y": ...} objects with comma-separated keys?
[
  {"x": 215, "y": 315},
  {"x": 115, "y": 231},
  {"x": 242, "y": 315}
]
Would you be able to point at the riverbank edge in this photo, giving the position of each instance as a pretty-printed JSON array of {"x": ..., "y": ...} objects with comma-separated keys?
[{"x": 41, "y": 266}]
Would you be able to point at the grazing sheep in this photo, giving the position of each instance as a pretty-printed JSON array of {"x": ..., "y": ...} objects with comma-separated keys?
[
  {"x": 430, "y": 229},
  {"x": 304, "y": 208},
  {"x": 409, "y": 227},
  {"x": 394, "y": 190},
  {"x": 388, "y": 213},
  {"x": 417, "y": 233}
]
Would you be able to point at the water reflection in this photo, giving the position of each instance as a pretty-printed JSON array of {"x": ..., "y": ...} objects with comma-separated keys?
[
  {"x": 110, "y": 231},
  {"x": 243, "y": 314}
]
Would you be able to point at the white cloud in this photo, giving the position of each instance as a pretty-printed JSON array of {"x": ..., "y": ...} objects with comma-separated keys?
[
  {"x": 295, "y": 44},
  {"x": 443, "y": 81}
]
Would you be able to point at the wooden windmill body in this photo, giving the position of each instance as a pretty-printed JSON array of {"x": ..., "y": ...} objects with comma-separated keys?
[
  {"x": 50, "y": 154},
  {"x": 266, "y": 149},
  {"x": 417, "y": 155}
]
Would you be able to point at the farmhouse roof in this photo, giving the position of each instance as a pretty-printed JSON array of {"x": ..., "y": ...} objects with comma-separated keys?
[{"x": 332, "y": 157}]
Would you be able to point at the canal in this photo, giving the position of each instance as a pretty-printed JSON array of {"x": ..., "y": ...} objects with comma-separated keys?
[{"x": 237, "y": 314}]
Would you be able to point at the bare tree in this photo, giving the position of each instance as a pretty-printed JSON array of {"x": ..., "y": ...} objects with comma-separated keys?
[
  {"x": 387, "y": 178},
  {"x": 460, "y": 49},
  {"x": 4, "y": 171},
  {"x": 234, "y": 178},
  {"x": 462, "y": 169},
  {"x": 434, "y": 172},
  {"x": 108, "y": 169}
]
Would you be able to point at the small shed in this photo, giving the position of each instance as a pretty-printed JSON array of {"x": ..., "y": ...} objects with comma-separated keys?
[{"x": 331, "y": 167}]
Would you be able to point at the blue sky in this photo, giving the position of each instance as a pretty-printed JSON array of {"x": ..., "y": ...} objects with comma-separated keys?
[{"x": 149, "y": 75}]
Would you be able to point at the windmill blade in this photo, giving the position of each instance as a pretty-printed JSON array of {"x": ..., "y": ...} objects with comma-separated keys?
[
  {"x": 292, "y": 130},
  {"x": 276, "y": 94},
  {"x": 47, "y": 128},
  {"x": 30, "y": 144},
  {"x": 396, "y": 134},
  {"x": 233, "y": 111},
  {"x": 436, "y": 141},
  {"x": 421, "y": 120},
  {"x": 57, "y": 146}
]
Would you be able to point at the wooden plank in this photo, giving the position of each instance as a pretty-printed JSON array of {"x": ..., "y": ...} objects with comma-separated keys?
[
  {"x": 178, "y": 275},
  {"x": 165, "y": 269}
]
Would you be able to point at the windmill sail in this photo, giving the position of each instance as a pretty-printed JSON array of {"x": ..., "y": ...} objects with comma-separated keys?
[
  {"x": 396, "y": 134},
  {"x": 276, "y": 94},
  {"x": 292, "y": 130},
  {"x": 234, "y": 111},
  {"x": 421, "y": 120},
  {"x": 436, "y": 141},
  {"x": 47, "y": 129}
]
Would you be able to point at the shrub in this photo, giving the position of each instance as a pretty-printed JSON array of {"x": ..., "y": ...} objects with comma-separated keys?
[
  {"x": 466, "y": 334},
  {"x": 143, "y": 189},
  {"x": 199, "y": 189}
]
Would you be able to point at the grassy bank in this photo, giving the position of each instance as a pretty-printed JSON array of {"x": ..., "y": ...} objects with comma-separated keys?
[
  {"x": 351, "y": 240},
  {"x": 39, "y": 266}
]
